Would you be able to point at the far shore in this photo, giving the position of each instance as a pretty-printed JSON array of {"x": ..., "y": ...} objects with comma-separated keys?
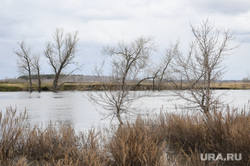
[{"x": 9, "y": 86}]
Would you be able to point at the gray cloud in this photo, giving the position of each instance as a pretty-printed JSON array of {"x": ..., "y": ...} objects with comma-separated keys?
[
  {"x": 106, "y": 22},
  {"x": 245, "y": 35},
  {"x": 230, "y": 7}
]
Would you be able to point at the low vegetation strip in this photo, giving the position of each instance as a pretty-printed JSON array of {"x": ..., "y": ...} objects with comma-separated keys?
[
  {"x": 86, "y": 86},
  {"x": 164, "y": 140}
]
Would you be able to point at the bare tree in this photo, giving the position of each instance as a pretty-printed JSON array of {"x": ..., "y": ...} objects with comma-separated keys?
[
  {"x": 61, "y": 53},
  {"x": 158, "y": 72},
  {"x": 166, "y": 61},
  {"x": 150, "y": 73},
  {"x": 128, "y": 60},
  {"x": 247, "y": 78},
  {"x": 36, "y": 64},
  {"x": 24, "y": 62},
  {"x": 203, "y": 65}
]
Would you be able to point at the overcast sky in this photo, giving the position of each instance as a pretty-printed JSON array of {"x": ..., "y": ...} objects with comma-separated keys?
[{"x": 106, "y": 22}]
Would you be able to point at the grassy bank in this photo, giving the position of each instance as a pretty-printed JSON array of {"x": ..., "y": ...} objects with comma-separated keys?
[
  {"x": 163, "y": 140},
  {"x": 21, "y": 86},
  {"x": 85, "y": 86},
  {"x": 80, "y": 86}
]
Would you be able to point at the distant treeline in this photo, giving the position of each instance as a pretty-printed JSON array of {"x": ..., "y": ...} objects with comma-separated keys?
[
  {"x": 87, "y": 78},
  {"x": 44, "y": 76},
  {"x": 68, "y": 78}
]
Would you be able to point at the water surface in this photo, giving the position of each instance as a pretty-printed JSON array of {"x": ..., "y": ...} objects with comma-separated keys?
[{"x": 74, "y": 107}]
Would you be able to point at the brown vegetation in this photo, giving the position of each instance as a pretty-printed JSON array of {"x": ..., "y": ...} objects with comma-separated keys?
[
  {"x": 164, "y": 140},
  {"x": 224, "y": 133},
  {"x": 86, "y": 86}
]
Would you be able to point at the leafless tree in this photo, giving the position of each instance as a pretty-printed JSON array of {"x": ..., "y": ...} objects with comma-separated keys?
[
  {"x": 203, "y": 65},
  {"x": 36, "y": 64},
  {"x": 128, "y": 60},
  {"x": 24, "y": 62},
  {"x": 247, "y": 78},
  {"x": 150, "y": 73},
  {"x": 166, "y": 61},
  {"x": 61, "y": 53},
  {"x": 159, "y": 72}
]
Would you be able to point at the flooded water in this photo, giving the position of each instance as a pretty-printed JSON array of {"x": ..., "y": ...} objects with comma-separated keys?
[{"x": 74, "y": 107}]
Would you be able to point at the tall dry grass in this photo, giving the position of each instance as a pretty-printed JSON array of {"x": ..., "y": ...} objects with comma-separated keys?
[
  {"x": 21, "y": 144},
  {"x": 228, "y": 131},
  {"x": 11, "y": 132},
  {"x": 168, "y": 139},
  {"x": 136, "y": 144}
]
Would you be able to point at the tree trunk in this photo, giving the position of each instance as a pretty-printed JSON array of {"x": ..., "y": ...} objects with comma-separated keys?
[
  {"x": 208, "y": 117},
  {"x": 119, "y": 119},
  {"x": 55, "y": 82},
  {"x": 181, "y": 84},
  {"x": 30, "y": 80},
  {"x": 39, "y": 80},
  {"x": 153, "y": 84},
  {"x": 138, "y": 84}
]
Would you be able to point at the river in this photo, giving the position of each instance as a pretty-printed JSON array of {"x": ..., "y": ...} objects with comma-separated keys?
[{"x": 74, "y": 107}]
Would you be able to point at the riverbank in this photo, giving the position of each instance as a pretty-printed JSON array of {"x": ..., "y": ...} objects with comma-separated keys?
[
  {"x": 168, "y": 139},
  {"x": 87, "y": 86}
]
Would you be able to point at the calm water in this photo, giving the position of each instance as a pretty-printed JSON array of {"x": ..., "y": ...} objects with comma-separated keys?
[{"x": 74, "y": 107}]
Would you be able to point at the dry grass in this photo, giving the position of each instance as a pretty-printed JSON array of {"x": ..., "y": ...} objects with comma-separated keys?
[
  {"x": 224, "y": 133},
  {"x": 11, "y": 133},
  {"x": 22, "y": 86},
  {"x": 84, "y": 86},
  {"x": 136, "y": 144},
  {"x": 168, "y": 139},
  {"x": 232, "y": 85},
  {"x": 22, "y": 145}
]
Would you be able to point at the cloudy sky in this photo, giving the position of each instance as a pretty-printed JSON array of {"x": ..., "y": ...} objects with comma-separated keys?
[{"x": 106, "y": 22}]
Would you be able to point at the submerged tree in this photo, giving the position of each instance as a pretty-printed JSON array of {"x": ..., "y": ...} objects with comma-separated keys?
[
  {"x": 163, "y": 71},
  {"x": 203, "y": 65},
  {"x": 36, "y": 64},
  {"x": 158, "y": 73},
  {"x": 127, "y": 61},
  {"x": 61, "y": 53},
  {"x": 24, "y": 62}
]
